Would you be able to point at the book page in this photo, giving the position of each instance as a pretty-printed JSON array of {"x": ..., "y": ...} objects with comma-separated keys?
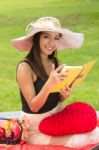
[
  {"x": 86, "y": 68},
  {"x": 74, "y": 76}
]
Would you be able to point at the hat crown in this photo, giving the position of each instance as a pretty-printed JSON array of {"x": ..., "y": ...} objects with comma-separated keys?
[{"x": 50, "y": 23}]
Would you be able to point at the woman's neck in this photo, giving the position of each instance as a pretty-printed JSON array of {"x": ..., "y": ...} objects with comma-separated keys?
[{"x": 44, "y": 58}]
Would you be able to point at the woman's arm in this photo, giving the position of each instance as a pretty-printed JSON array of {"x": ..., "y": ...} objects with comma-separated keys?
[{"x": 25, "y": 78}]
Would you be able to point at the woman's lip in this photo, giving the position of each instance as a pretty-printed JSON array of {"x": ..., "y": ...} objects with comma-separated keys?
[{"x": 49, "y": 48}]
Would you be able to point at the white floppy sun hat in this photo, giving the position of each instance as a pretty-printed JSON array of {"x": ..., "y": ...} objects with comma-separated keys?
[{"x": 68, "y": 40}]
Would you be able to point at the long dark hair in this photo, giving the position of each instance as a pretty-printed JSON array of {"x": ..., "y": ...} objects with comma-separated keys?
[{"x": 35, "y": 59}]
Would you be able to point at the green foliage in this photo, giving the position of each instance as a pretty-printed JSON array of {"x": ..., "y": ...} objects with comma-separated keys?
[{"x": 77, "y": 15}]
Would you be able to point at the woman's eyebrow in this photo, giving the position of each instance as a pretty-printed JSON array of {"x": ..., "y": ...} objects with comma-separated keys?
[
  {"x": 46, "y": 34},
  {"x": 50, "y": 35}
]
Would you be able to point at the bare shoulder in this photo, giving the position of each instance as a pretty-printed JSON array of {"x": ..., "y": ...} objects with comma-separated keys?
[
  {"x": 23, "y": 68},
  {"x": 23, "y": 71}
]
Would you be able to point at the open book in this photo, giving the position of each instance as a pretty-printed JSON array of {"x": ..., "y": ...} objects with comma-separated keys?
[{"x": 74, "y": 75}]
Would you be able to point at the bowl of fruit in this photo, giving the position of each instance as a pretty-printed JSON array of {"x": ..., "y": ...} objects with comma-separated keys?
[{"x": 10, "y": 131}]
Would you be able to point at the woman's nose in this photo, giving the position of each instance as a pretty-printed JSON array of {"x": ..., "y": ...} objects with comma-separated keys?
[{"x": 51, "y": 43}]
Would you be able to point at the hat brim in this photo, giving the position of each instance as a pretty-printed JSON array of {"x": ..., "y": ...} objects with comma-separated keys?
[{"x": 69, "y": 40}]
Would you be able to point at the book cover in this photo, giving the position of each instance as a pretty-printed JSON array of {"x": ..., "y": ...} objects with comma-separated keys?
[{"x": 74, "y": 75}]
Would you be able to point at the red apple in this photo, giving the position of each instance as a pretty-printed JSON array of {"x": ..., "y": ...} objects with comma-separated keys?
[
  {"x": 9, "y": 135},
  {"x": 16, "y": 130},
  {"x": 2, "y": 132}
]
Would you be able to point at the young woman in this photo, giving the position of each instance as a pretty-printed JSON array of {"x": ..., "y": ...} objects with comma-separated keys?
[{"x": 38, "y": 73}]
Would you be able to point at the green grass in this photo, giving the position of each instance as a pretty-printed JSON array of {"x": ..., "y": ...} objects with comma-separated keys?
[{"x": 77, "y": 15}]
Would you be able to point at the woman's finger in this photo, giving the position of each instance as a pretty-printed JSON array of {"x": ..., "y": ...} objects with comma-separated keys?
[
  {"x": 59, "y": 68},
  {"x": 68, "y": 89},
  {"x": 53, "y": 67}
]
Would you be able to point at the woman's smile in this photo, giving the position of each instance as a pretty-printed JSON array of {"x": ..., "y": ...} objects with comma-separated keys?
[{"x": 50, "y": 48}]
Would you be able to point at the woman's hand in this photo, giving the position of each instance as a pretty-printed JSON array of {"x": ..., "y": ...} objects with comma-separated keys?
[
  {"x": 65, "y": 93},
  {"x": 55, "y": 76}
]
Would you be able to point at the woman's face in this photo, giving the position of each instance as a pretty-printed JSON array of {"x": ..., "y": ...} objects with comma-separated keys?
[{"x": 49, "y": 42}]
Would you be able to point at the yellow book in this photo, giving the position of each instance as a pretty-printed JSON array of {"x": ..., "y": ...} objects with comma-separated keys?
[{"x": 74, "y": 75}]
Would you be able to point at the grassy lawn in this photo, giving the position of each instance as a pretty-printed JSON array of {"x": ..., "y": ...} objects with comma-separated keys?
[{"x": 77, "y": 15}]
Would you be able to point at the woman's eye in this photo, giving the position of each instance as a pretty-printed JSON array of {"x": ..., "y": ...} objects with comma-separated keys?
[
  {"x": 45, "y": 36},
  {"x": 57, "y": 38}
]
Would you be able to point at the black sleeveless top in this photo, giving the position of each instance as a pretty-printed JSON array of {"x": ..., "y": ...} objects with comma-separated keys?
[{"x": 51, "y": 101}]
